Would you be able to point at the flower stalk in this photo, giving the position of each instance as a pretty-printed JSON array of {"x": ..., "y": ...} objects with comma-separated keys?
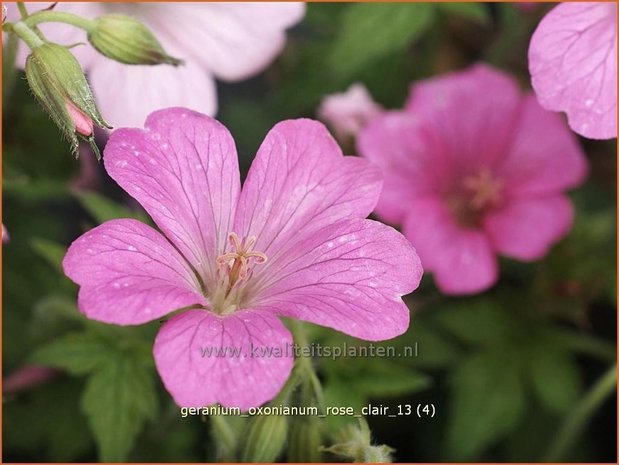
[{"x": 581, "y": 414}]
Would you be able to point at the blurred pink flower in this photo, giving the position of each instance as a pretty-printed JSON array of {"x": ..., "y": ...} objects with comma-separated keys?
[
  {"x": 5, "y": 235},
  {"x": 573, "y": 65},
  {"x": 27, "y": 377},
  {"x": 293, "y": 242},
  {"x": 474, "y": 168},
  {"x": 228, "y": 41},
  {"x": 348, "y": 112},
  {"x": 527, "y": 7}
]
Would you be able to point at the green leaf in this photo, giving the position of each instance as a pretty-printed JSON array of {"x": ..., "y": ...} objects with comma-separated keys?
[
  {"x": 479, "y": 322},
  {"x": 119, "y": 398},
  {"x": 487, "y": 403},
  {"x": 477, "y": 12},
  {"x": 77, "y": 352},
  {"x": 370, "y": 31},
  {"x": 54, "y": 315},
  {"x": 51, "y": 251},
  {"x": 434, "y": 350},
  {"x": 47, "y": 423},
  {"x": 555, "y": 377},
  {"x": 386, "y": 379},
  {"x": 103, "y": 209},
  {"x": 339, "y": 394}
]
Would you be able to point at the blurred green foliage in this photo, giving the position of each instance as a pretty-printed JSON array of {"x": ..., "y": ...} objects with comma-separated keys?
[{"x": 504, "y": 369}]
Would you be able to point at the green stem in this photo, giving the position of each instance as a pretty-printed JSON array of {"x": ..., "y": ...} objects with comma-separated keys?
[
  {"x": 306, "y": 369},
  {"x": 22, "y": 10},
  {"x": 26, "y": 34},
  {"x": 586, "y": 344},
  {"x": 225, "y": 437},
  {"x": 60, "y": 17},
  {"x": 581, "y": 414},
  {"x": 9, "y": 70}
]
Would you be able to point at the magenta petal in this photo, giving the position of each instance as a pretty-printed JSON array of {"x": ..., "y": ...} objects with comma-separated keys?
[
  {"x": 460, "y": 258},
  {"x": 251, "y": 358},
  {"x": 129, "y": 274},
  {"x": 397, "y": 143},
  {"x": 462, "y": 109},
  {"x": 573, "y": 65},
  {"x": 183, "y": 169},
  {"x": 527, "y": 229},
  {"x": 350, "y": 277},
  {"x": 544, "y": 156},
  {"x": 300, "y": 183}
]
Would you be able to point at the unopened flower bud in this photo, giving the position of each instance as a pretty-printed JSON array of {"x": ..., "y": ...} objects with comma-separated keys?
[
  {"x": 304, "y": 440},
  {"x": 58, "y": 82},
  {"x": 127, "y": 40},
  {"x": 266, "y": 437},
  {"x": 83, "y": 124},
  {"x": 355, "y": 444}
]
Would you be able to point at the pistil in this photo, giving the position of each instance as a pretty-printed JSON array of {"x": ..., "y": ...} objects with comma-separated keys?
[{"x": 235, "y": 268}]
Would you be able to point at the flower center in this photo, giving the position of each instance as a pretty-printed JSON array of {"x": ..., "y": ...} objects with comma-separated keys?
[
  {"x": 477, "y": 194},
  {"x": 234, "y": 268}
]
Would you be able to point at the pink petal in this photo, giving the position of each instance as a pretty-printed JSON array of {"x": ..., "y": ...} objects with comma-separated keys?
[
  {"x": 463, "y": 109},
  {"x": 183, "y": 169},
  {"x": 298, "y": 184},
  {"x": 233, "y": 41},
  {"x": 350, "y": 277},
  {"x": 254, "y": 362},
  {"x": 544, "y": 157},
  {"x": 129, "y": 274},
  {"x": 460, "y": 258},
  {"x": 573, "y": 65},
  {"x": 411, "y": 163},
  {"x": 127, "y": 94},
  {"x": 82, "y": 122},
  {"x": 527, "y": 229}
]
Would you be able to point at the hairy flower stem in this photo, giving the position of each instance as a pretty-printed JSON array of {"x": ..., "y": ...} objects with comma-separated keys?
[
  {"x": 25, "y": 33},
  {"x": 59, "y": 17},
  {"x": 22, "y": 10},
  {"x": 9, "y": 70},
  {"x": 581, "y": 414}
]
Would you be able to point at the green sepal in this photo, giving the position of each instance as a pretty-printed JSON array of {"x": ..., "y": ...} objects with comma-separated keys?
[{"x": 126, "y": 40}]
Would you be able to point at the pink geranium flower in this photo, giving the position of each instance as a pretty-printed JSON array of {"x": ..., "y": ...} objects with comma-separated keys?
[
  {"x": 473, "y": 168},
  {"x": 228, "y": 41},
  {"x": 573, "y": 65},
  {"x": 293, "y": 242},
  {"x": 348, "y": 112}
]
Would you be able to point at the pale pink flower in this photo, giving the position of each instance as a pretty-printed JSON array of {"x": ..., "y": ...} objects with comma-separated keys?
[
  {"x": 573, "y": 65},
  {"x": 293, "y": 242},
  {"x": 228, "y": 41},
  {"x": 473, "y": 168},
  {"x": 5, "y": 235},
  {"x": 348, "y": 112}
]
